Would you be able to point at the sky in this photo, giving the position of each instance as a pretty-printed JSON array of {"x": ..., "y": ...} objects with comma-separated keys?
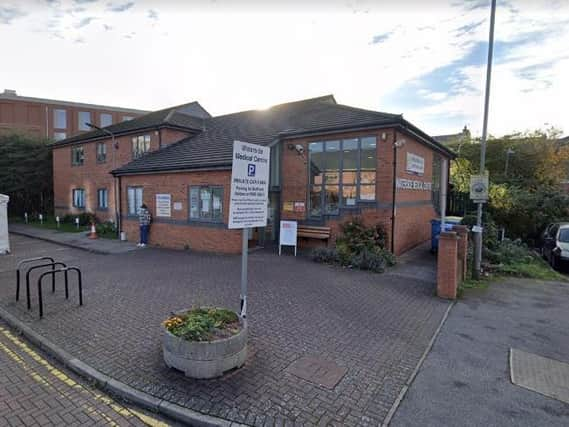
[{"x": 424, "y": 59}]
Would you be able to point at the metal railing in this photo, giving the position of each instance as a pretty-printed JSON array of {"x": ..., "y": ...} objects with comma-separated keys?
[
  {"x": 65, "y": 270},
  {"x": 35, "y": 267},
  {"x": 26, "y": 261}
]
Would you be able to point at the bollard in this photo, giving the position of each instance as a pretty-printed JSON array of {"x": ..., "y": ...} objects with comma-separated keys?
[
  {"x": 77, "y": 223},
  {"x": 26, "y": 217},
  {"x": 41, "y": 219},
  {"x": 57, "y": 221}
]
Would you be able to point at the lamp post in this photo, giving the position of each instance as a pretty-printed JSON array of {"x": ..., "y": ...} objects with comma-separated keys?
[
  {"x": 115, "y": 191},
  {"x": 478, "y": 235}
]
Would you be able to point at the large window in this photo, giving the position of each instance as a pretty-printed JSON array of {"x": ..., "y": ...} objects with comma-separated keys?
[
  {"x": 60, "y": 119},
  {"x": 134, "y": 199},
  {"x": 106, "y": 119},
  {"x": 342, "y": 172},
  {"x": 140, "y": 145},
  {"x": 77, "y": 156},
  {"x": 206, "y": 204},
  {"x": 84, "y": 117},
  {"x": 101, "y": 152},
  {"x": 78, "y": 198},
  {"x": 102, "y": 198}
]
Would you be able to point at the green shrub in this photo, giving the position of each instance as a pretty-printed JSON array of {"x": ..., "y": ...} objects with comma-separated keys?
[
  {"x": 107, "y": 227},
  {"x": 508, "y": 252},
  {"x": 357, "y": 237},
  {"x": 85, "y": 218},
  {"x": 203, "y": 324},
  {"x": 325, "y": 255}
]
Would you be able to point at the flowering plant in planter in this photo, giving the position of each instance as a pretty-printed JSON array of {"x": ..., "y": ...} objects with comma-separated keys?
[{"x": 204, "y": 342}]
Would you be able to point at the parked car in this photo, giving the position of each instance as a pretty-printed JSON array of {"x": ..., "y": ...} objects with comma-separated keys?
[{"x": 555, "y": 244}]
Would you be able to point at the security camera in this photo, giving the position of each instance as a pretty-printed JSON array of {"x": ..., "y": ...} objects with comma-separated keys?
[{"x": 299, "y": 148}]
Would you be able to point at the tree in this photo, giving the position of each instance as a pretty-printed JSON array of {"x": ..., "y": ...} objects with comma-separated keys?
[{"x": 26, "y": 174}]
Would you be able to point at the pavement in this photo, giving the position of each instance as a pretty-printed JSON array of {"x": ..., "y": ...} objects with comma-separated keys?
[
  {"x": 465, "y": 379},
  {"x": 374, "y": 327},
  {"x": 73, "y": 240},
  {"x": 37, "y": 390}
]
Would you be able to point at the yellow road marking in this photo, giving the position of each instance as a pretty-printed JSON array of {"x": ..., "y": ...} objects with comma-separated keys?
[{"x": 62, "y": 377}]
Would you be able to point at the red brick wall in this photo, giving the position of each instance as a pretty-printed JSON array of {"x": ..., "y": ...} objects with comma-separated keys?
[
  {"x": 93, "y": 175},
  {"x": 181, "y": 234},
  {"x": 414, "y": 210}
]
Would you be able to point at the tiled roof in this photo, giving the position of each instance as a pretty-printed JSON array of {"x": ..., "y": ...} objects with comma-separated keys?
[
  {"x": 190, "y": 116},
  {"x": 213, "y": 146}
]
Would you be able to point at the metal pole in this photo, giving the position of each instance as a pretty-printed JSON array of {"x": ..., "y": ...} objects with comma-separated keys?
[
  {"x": 244, "y": 254},
  {"x": 444, "y": 186},
  {"x": 478, "y": 235}
]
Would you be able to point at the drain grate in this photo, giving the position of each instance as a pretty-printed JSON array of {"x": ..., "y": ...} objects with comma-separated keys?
[
  {"x": 318, "y": 371},
  {"x": 540, "y": 374}
]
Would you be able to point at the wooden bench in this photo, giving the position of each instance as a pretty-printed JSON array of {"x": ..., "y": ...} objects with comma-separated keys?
[{"x": 313, "y": 232}]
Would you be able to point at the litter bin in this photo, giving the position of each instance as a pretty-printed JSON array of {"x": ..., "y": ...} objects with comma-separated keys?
[{"x": 450, "y": 221}]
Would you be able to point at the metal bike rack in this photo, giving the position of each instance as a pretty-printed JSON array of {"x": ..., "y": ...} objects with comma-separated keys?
[
  {"x": 52, "y": 272},
  {"x": 35, "y": 267},
  {"x": 25, "y": 261}
]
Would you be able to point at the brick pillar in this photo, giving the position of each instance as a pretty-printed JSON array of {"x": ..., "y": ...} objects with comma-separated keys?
[
  {"x": 447, "y": 265},
  {"x": 462, "y": 232}
]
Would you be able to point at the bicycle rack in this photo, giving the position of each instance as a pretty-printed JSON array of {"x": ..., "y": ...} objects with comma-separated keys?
[
  {"x": 25, "y": 261},
  {"x": 52, "y": 272},
  {"x": 35, "y": 267}
]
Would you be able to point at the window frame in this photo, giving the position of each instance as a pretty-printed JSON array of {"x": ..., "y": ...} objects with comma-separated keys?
[
  {"x": 81, "y": 123},
  {"x": 74, "y": 149},
  {"x": 141, "y": 201},
  {"x": 103, "y": 158},
  {"x": 211, "y": 188},
  {"x": 55, "y": 121},
  {"x": 357, "y": 186},
  {"x": 101, "y": 119},
  {"x": 101, "y": 191},
  {"x": 146, "y": 140},
  {"x": 82, "y": 198}
]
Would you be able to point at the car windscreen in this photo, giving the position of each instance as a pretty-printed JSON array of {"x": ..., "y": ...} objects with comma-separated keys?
[{"x": 564, "y": 235}]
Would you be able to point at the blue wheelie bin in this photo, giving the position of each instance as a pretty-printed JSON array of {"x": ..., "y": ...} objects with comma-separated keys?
[{"x": 450, "y": 221}]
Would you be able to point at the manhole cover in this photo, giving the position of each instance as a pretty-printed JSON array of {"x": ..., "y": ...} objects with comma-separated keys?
[
  {"x": 318, "y": 371},
  {"x": 540, "y": 374}
]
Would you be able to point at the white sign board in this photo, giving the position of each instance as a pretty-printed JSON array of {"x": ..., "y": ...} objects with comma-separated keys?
[
  {"x": 164, "y": 205},
  {"x": 415, "y": 164},
  {"x": 479, "y": 188},
  {"x": 249, "y": 186},
  {"x": 287, "y": 235},
  {"x": 178, "y": 206}
]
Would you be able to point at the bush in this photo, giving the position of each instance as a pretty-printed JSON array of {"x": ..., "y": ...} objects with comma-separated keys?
[
  {"x": 203, "y": 324},
  {"x": 509, "y": 252},
  {"x": 359, "y": 247},
  {"x": 85, "y": 218},
  {"x": 107, "y": 227}
]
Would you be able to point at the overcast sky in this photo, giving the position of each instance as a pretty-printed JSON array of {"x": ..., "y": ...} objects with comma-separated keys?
[{"x": 425, "y": 59}]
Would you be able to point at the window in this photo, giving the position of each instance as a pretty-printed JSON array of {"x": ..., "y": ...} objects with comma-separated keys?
[
  {"x": 341, "y": 174},
  {"x": 102, "y": 198},
  {"x": 58, "y": 136},
  {"x": 127, "y": 118},
  {"x": 206, "y": 204},
  {"x": 60, "y": 119},
  {"x": 101, "y": 152},
  {"x": 140, "y": 145},
  {"x": 77, "y": 156},
  {"x": 106, "y": 119},
  {"x": 134, "y": 199},
  {"x": 84, "y": 117},
  {"x": 78, "y": 198}
]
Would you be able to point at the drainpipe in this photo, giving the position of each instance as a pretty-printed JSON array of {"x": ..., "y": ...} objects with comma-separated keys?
[
  {"x": 118, "y": 206},
  {"x": 394, "y": 192},
  {"x": 47, "y": 122}
]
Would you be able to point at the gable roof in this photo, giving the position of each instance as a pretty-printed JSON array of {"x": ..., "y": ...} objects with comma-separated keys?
[
  {"x": 213, "y": 146},
  {"x": 188, "y": 116}
]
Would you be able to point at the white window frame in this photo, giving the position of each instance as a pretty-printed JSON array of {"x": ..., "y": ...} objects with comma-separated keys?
[
  {"x": 102, "y": 198},
  {"x": 134, "y": 197},
  {"x": 78, "y": 196},
  {"x": 56, "y": 124}
]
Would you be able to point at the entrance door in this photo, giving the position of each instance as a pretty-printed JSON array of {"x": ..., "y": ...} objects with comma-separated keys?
[{"x": 269, "y": 235}]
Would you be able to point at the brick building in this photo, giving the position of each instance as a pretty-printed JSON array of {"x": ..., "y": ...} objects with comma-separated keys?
[
  {"x": 329, "y": 162},
  {"x": 52, "y": 119}
]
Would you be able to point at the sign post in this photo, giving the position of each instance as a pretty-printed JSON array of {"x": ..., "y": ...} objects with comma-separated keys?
[{"x": 249, "y": 198}]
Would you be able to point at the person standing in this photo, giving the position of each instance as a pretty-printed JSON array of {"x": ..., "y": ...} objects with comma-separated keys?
[{"x": 144, "y": 220}]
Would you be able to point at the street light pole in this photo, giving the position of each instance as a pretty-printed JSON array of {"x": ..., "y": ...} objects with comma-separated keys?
[
  {"x": 115, "y": 191},
  {"x": 478, "y": 234}
]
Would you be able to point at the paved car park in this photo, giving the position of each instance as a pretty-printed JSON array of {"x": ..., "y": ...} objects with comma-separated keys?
[{"x": 373, "y": 327}]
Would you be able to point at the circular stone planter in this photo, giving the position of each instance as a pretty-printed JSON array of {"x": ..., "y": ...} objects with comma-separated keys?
[{"x": 205, "y": 359}]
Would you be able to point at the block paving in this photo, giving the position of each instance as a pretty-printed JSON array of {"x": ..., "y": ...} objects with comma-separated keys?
[{"x": 375, "y": 326}]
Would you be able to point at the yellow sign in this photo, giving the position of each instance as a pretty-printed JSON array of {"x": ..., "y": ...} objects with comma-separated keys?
[{"x": 288, "y": 206}]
